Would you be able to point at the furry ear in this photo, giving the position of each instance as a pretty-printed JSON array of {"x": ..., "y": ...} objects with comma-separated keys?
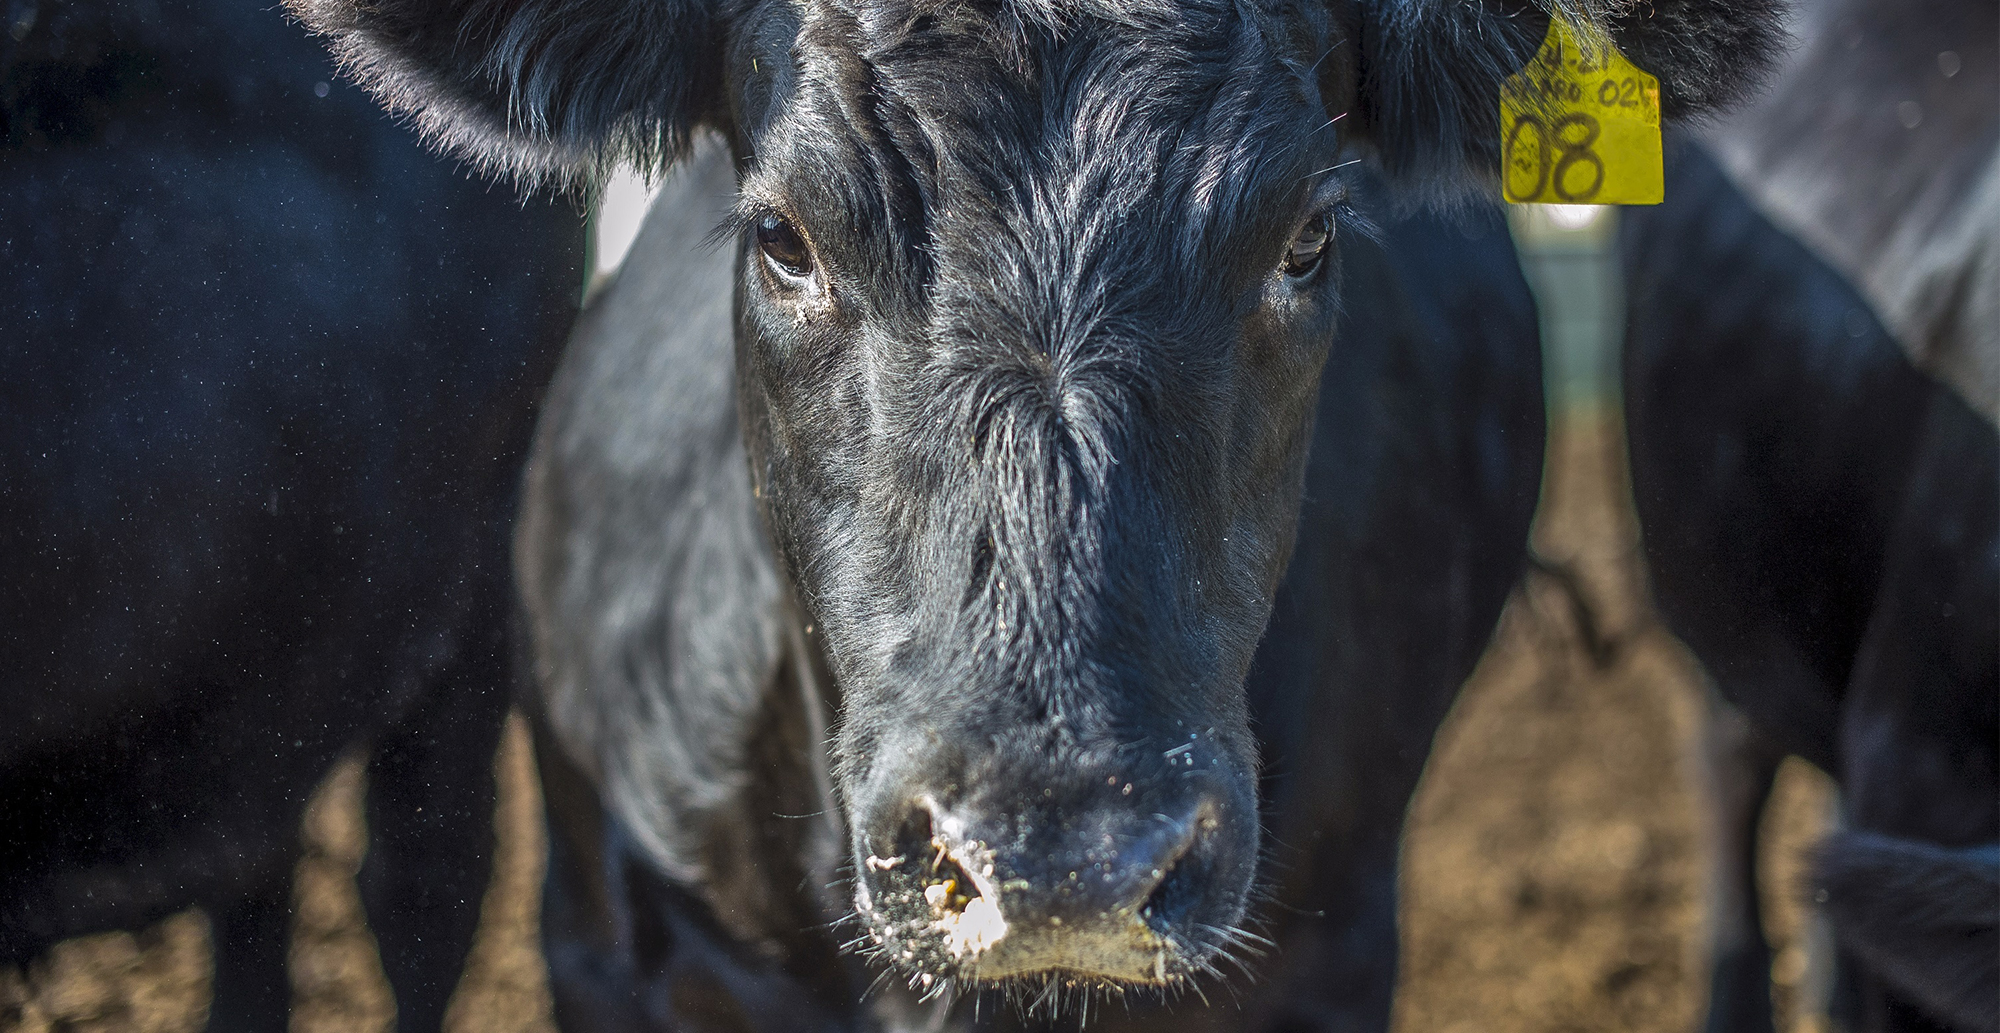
[
  {"x": 545, "y": 89},
  {"x": 1420, "y": 79}
]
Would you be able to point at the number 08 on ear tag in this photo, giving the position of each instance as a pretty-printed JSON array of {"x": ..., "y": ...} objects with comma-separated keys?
[{"x": 1580, "y": 125}]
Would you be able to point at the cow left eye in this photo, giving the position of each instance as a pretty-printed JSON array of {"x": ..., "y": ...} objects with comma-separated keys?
[
  {"x": 1309, "y": 246},
  {"x": 781, "y": 243}
]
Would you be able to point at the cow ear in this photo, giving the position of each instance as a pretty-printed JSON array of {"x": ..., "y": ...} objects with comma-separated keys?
[
  {"x": 545, "y": 89},
  {"x": 1420, "y": 80}
]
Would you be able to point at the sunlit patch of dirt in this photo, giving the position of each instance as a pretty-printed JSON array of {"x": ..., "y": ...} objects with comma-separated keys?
[
  {"x": 337, "y": 981},
  {"x": 1802, "y": 809},
  {"x": 506, "y": 986},
  {"x": 153, "y": 982}
]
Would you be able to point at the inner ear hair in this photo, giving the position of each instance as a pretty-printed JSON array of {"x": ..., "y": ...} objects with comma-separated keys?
[{"x": 547, "y": 90}]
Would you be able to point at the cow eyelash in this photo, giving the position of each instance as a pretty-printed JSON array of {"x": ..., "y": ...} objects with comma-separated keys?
[{"x": 784, "y": 249}]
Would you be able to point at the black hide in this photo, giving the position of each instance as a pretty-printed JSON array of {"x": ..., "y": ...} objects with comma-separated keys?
[
  {"x": 1819, "y": 517},
  {"x": 267, "y": 370}
]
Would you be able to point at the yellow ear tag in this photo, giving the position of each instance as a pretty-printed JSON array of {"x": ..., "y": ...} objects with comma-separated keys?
[{"x": 1580, "y": 125}]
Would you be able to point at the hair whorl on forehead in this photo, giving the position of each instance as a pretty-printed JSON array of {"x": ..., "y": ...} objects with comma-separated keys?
[
  {"x": 1048, "y": 14},
  {"x": 1010, "y": 23},
  {"x": 1063, "y": 104}
]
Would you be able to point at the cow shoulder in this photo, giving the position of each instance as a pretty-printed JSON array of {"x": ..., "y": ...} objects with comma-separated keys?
[
  {"x": 1879, "y": 148},
  {"x": 655, "y": 604}
]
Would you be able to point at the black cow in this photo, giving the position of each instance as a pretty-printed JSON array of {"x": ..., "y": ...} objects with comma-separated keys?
[
  {"x": 899, "y": 573},
  {"x": 695, "y": 837},
  {"x": 1812, "y": 416},
  {"x": 267, "y": 372}
]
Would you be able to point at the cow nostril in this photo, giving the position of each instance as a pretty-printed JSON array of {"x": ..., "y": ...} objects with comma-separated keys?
[
  {"x": 911, "y": 840},
  {"x": 1173, "y": 898},
  {"x": 947, "y": 887},
  {"x": 936, "y": 885},
  {"x": 1178, "y": 887}
]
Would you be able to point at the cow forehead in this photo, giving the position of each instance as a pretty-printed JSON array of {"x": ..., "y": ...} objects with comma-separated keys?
[
  {"x": 1017, "y": 107},
  {"x": 1066, "y": 179}
]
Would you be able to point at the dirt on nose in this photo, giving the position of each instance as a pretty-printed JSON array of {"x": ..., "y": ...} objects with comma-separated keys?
[
  {"x": 948, "y": 909},
  {"x": 957, "y": 885}
]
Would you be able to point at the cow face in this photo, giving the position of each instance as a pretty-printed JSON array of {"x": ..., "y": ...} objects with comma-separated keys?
[
  {"x": 1030, "y": 324},
  {"x": 1032, "y": 301}
]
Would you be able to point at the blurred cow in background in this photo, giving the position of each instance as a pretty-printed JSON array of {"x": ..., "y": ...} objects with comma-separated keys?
[
  {"x": 267, "y": 372},
  {"x": 1813, "y": 383}
]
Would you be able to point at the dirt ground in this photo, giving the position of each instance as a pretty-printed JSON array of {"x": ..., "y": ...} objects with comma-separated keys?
[{"x": 1554, "y": 862}]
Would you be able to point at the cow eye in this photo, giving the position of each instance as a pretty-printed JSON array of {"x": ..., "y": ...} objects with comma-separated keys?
[
  {"x": 782, "y": 245},
  {"x": 1309, "y": 246}
]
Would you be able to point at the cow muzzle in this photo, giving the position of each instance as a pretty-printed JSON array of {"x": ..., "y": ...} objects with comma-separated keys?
[{"x": 1104, "y": 888}]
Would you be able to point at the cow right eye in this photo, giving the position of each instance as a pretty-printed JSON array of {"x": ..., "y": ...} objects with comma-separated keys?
[
  {"x": 1309, "y": 247},
  {"x": 783, "y": 246}
]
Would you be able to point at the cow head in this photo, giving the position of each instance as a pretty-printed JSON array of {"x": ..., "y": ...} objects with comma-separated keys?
[{"x": 1032, "y": 301}]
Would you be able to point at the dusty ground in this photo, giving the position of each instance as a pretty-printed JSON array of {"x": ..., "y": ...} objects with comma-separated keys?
[{"x": 1555, "y": 863}]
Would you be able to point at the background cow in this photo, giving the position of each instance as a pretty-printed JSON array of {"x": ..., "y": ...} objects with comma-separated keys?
[
  {"x": 1813, "y": 363},
  {"x": 1031, "y": 307},
  {"x": 266, "y": 375}
]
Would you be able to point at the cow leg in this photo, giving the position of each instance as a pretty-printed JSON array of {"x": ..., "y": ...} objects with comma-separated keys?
[
  {"x": 1740, "y": 765},
  {"x": 1916, "y": 895},
  {"x": 615, "y": 955},
  {"x": 252, "y": 990},
  {"x": 586, "y": 918},
  {"x": 430, "y": 851}
]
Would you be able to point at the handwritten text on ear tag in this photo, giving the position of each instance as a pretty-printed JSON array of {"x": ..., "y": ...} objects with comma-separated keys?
[{"x": 1580, "y": 125}]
